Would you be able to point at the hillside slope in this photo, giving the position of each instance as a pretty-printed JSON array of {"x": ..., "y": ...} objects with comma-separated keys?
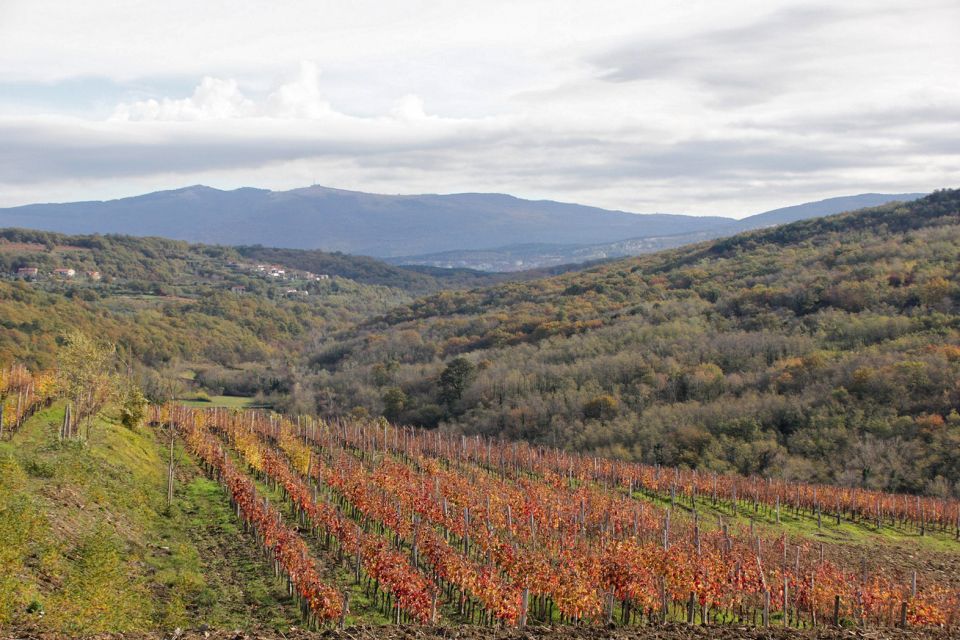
[
  {"x": 177, "y": 310},
  {"x": 89, "y": 544},
  {"x": 827, "y": 207},
  {"x": 163, "y": 261},
  {"x": 184, "y": 317},
  {"x": 826, "y": 349}
]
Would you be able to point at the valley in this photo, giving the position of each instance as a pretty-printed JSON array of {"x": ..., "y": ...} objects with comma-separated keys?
[{"x": 699, "y": 439}]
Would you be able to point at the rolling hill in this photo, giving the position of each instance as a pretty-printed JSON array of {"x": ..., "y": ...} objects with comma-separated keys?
[
  {"x": 184, "y": 314},
  {"x": 825, "y": 349},
  {"x": 225, "y": 317},
  {"x": 827, "y": 207}
]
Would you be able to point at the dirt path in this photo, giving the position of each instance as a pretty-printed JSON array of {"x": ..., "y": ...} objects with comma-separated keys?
[{"x": 664, "y": 632}]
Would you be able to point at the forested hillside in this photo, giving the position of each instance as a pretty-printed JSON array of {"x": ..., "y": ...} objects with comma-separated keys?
[
  {"x": 181, "y": 315},
  {"x": 826, "y": 349},
  {"x": 822, "y": 350},
  {"x": 162, "y": 260}
]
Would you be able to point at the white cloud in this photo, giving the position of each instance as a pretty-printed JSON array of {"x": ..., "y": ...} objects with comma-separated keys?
[
  {"x": 219, "y": 98},
  {"x": 300, "y": 98},
  {"x": 213, "y": 99},
  {"x": 409, "y": 107}
]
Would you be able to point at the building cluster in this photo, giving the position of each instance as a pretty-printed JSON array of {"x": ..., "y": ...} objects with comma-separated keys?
[
  {"x": 276, "y": 272},
  {"x": 63, "y": 273},
  {"x": 282, "y": 273},
  {"x": 272, "y": 270}
]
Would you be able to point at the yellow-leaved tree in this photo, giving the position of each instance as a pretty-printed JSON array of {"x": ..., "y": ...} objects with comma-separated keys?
[{"x": 85, "y": 376}]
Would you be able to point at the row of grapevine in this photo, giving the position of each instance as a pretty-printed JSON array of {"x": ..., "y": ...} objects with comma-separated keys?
[
  {"x": 516, "y": 459},
  {"x": 412, "y": 592},
  {"x": 729, "y": 573},
  {"x": 22, "y": 393},
  {"x": 472, "y": 578},
  {"x": 474, "y": 582},
  {"x": 477, "y": 576},
  {"x": 526, "y": 538},
  {"x": 878, "y": 592},
  {"x": 475, "y": 585},
  {"x": 318, "y": 600},
  {"x": 476, "y": 579},
  {"x": 738, "y": 491}
]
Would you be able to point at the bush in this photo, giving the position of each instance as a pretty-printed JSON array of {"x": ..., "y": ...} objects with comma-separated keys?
[
  {"x": 38, "y": 468},
  {"x": 134, "y": 408},
  {"x": 602, "y": 407}
]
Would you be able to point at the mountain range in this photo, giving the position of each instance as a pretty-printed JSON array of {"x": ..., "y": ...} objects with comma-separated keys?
[{"x": 492, "y": 232}]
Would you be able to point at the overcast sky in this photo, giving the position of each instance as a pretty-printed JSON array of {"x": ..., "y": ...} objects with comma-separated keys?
[{"x": 725, "y": 108}]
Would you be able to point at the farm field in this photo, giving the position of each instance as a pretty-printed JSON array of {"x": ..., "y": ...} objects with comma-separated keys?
[
  {"x": 362, "y": 518},
  {"x": 229, "y": 402}
]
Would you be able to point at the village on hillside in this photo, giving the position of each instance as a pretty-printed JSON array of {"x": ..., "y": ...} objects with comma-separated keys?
[
  {"x": 269, "y": 272},
  {"x": 63, "y": 273}
]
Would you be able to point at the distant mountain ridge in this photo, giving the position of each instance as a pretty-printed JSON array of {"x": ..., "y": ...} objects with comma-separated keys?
[
  {"x": 353, "y": 222},
  {"x": 820, "y": 208},
  {"x": 517, "y": 257},
  {"x": 394, "y": 226}
]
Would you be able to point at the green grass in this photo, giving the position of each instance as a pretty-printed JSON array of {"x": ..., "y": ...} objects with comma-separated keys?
[
  {"x": 228, "y": 402},
  {"x": 213, "y": 567},
  {"x": 363, "y": 609},
  {"x": 804, "y": 525},
  {"x": 88, "y": 539},
  {"x": 828, "y": 530}
]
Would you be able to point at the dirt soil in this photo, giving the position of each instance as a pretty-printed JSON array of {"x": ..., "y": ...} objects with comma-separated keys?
[{"x": 661, "y": 632}]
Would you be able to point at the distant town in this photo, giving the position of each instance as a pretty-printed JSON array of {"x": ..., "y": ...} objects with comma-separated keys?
[
  {"x": 32, "y": 273},
  {"x": 273, "y": 272}
]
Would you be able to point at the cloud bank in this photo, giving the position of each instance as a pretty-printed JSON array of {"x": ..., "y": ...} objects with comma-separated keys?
[{"x": 666, "y": 107}]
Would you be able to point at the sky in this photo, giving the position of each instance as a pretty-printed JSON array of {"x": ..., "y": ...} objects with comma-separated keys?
[{"x": 709, "y": 108}]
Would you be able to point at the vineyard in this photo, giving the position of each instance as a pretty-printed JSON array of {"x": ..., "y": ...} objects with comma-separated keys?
[
  {"x": 21, "y": 394},
  {"x": 434, "y": 528}
]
